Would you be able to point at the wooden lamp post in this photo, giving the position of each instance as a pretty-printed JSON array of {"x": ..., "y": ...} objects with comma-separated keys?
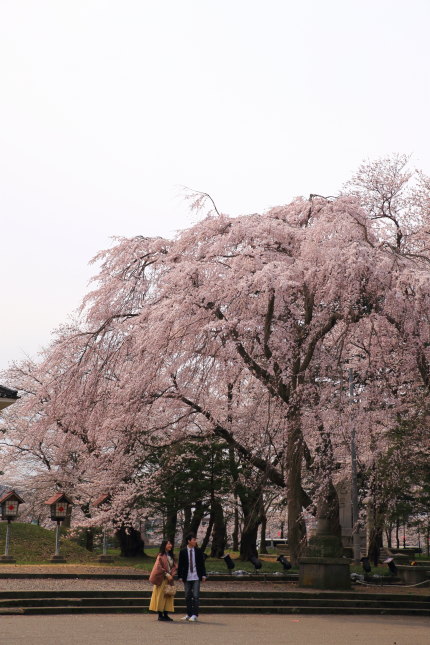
[
  {"x": 9, "y": 505},
  {"x": 59, "y": 506}
]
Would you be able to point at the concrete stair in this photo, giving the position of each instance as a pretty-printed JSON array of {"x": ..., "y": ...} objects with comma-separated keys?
[
  {"x": 241, "y": 602},
  {"x": 214, "y": 577}
]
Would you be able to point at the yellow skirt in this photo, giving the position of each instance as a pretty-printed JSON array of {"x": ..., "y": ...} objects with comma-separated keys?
[{"x": 160, "y": 602}]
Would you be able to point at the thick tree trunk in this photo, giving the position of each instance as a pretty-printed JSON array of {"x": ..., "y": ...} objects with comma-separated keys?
[
  {"x": 235, "y": 534},
  {"x": 250, "y": 499},
  {"x": 187, "y": 523},
  {"x": 375, "y": 544},
  {"x": 89, "y": 539},
  {"x": 89, "y": 532},
  {"x": 263, "y": 548},
  {"x": 428, "y": 540},
  {"x": 248, "y": 542},
  {"x": 375, "y": 519},
  {"x": 219, "y": 534},
  {"x": 235, "y": 477},
  {"x": 130, "y": 541},
  {"x": 199, "y": 512},
  {"x": 170, "y": 526},
  {"x": 388, "y": 535},
  {"x": 205, "y": 541},
  {"x": 296, "y": 525}
]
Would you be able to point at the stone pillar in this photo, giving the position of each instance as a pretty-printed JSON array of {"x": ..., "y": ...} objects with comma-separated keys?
[{"x": 322, "y": 566}]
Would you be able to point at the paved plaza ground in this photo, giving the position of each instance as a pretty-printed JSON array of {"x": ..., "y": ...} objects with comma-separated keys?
[
  {"x": 212, "y": 629},
  {"x": 220, "y": 629}
]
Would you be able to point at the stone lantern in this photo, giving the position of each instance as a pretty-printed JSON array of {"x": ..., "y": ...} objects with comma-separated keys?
[
  {"x": 59, "y": 507},
  {"x": 9, "y": 505}
]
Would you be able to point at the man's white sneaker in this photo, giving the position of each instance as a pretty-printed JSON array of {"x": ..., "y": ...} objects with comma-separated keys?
[
  {"x": 193, "y": 619},
  {"x": 186, "y": 618}
]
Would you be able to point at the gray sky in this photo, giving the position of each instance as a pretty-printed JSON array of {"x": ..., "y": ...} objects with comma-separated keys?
[{"x": 108, "y": 107}]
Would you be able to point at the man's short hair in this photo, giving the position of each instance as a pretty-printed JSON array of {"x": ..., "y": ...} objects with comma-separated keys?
[{"x": 189, "y": 537}]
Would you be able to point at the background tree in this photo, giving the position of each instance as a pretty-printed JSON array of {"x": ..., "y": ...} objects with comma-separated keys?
[{"x": 240, "y": 328}]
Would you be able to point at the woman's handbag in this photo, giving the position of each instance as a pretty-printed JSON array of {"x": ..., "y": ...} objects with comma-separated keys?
[{"x": 169, "y": 590}]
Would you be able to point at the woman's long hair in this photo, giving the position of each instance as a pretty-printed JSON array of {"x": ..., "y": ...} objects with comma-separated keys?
[{"x": 163, "y": 551}]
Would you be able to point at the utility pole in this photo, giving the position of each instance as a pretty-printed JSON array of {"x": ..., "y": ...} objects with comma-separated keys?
[{"x": 356, "y": 541}]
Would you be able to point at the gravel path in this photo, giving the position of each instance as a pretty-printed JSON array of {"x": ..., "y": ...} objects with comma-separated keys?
[
  {"x": 81, "y": 584},
  {"x": 124, "y": 585}
]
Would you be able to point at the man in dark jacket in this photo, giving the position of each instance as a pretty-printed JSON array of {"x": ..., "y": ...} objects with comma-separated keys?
[{"x": 192, "y": 571}]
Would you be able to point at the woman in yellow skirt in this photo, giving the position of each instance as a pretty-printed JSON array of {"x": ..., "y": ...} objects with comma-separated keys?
[{"x": 161, "y": 575}]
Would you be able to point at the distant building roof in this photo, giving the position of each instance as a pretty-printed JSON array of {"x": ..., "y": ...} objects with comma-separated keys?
[
  {"x": 102, "y": 499},
  {"x": 7, "y": 393},
  {"x": 7, "y": 396}
]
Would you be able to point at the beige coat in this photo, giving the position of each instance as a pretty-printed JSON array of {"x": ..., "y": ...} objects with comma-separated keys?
[{"x": 160, "y": 568}]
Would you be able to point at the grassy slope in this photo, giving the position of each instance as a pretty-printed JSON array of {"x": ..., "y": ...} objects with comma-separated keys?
[{"x": 31, "y": 544}]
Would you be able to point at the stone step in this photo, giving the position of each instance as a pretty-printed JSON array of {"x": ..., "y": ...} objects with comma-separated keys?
[
  {"x": 275, "y": 602},
  {"x": 214, "y": 577},
  {"x": 218, "y": 602},
  {"x": 240, "y": 609},
  {"x": 275, "y": 595}
]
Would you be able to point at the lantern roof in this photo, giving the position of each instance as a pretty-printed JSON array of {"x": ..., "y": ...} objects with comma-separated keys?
[
  {"x": 11, "y": 495},
  {"x": 106, "y": 497},
  {"x": 59, "y": 497}
]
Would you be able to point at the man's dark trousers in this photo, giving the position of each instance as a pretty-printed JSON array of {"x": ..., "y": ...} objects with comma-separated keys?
[{"x": 192, "y": 596}]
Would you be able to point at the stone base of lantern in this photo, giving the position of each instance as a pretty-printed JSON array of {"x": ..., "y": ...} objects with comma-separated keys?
[
  {"x": 414, "y": 575},
  {"x": 324, "y": 573},
  {"x": 7, "y": 559},
  {"x": 106, "y": 558},
  {"x": 57, "y": 559},
  {"x": 323, "y": 567}
]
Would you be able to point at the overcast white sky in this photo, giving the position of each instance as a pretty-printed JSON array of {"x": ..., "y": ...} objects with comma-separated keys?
[{"x": 108, "y": 107}]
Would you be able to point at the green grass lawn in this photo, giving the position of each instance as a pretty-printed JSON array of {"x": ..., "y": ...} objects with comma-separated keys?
[
  {"x": 213, "y": 564},
  {"x": 31, "y": 544}
]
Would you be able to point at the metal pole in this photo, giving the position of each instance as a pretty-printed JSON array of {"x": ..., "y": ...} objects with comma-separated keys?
[
  {"x": 6, "y": 548},
  {"x": 57, "y": 539},
  {"x": 356, "y": 542},
  {"x": 104, "y": 541}
]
